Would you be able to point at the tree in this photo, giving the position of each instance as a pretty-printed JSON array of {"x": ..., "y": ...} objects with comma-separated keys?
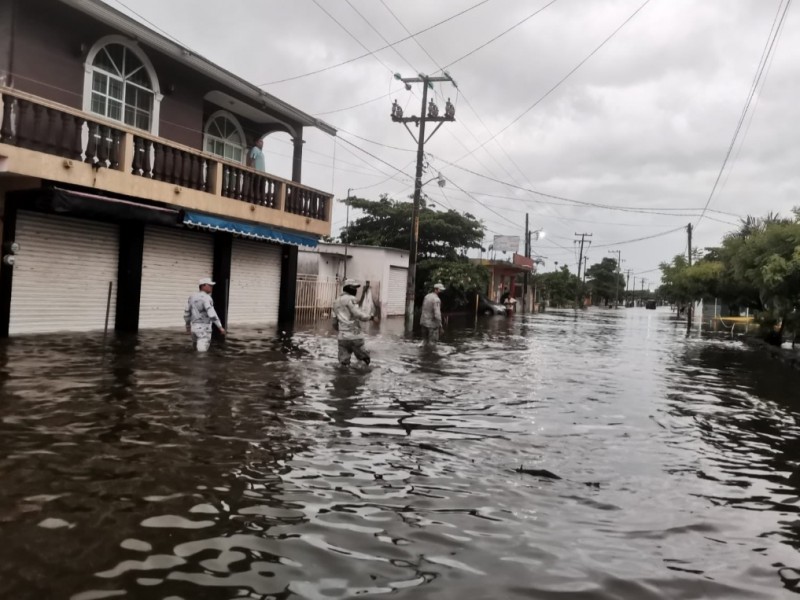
[
  {"x": 606, "y": 284},
  {"x": 444, "y": 238},
  {"x": 757, "y": 266},
  {"x": 461, "y": 278},
  {"x": 386, "y": 222},
  {"x": 559, "y": 287}
]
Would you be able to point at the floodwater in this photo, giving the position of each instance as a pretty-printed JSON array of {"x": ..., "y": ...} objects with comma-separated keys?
[{"x": 261, "y": 470}]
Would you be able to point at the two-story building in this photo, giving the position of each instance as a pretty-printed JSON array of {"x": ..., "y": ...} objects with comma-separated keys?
[{"x": 123, "y": 178}]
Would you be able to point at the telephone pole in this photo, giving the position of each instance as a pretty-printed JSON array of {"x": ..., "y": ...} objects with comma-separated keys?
[
  {"x": 347, "y": 227},
  {"x": 616, "y": 282},
  {"x": 426, "y": 116},
  {"x": 585, "y": 262},
  {"x": 689, "y": 308},
  {"x": 583, "y": 237},
  {"x": 627, "y": 283},
  {"x": 525, "y": 275}
]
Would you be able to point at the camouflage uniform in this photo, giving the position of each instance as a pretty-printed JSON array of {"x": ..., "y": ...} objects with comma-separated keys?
[
  {"x": 347, "y": 317},
  {"x": 200, "y": 314},
  {"x": 431, "y": 318}
]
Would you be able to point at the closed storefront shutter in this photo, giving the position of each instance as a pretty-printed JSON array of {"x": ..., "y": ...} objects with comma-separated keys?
[
  {"x": 62, "y": 274},
  {"x": 172, "y": 263},
  {"x": 255, "y": 283},
  {"x": 396, "y": 302}
]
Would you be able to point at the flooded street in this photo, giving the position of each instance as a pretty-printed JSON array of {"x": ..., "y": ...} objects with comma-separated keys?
[{"x": 262, "y": 470}]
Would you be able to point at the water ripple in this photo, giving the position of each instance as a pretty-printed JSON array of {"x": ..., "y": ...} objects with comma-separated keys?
[{"x": 654, "y": 465}]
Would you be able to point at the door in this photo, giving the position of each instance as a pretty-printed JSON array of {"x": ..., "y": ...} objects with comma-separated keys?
[
  {"x": 62, "y": 274},
  {"x": 396, "y": 301},
  {"x": 255, "y": 283},
  {"x": 173, "y": 261}
]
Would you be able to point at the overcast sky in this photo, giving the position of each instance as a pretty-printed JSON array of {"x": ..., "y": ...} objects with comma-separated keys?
[{"x": 644, "y": 123}]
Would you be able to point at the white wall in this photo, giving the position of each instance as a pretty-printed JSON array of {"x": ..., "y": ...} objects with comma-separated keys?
[
  {"x": 307, "y": 261},
  {"x": 366, "y": 263}
]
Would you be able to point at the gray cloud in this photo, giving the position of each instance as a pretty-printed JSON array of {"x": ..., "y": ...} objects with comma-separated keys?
[{"x": 644, "y": 123}]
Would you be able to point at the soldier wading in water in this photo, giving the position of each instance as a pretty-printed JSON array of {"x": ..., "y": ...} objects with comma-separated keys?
[
  {"x": 200, "y": 316},
  {"x": 347, "y": 317}
]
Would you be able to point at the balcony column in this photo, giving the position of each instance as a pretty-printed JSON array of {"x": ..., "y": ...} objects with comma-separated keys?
[
  {"x": 127, "y": 153},
  {"x": 297, "y": 158}
]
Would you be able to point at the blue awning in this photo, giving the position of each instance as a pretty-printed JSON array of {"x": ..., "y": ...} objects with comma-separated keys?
[{"x": 248, "y": 230}]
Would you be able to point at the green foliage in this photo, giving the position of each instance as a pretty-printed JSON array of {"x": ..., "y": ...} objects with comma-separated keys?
[
  {"x": 757, "y": 266},
  {"x": 605, "y": 284},
  {"x": 559, "y": 287},
  {"x": 462, "y": 279},
  {"x": 386, "y": 222}
]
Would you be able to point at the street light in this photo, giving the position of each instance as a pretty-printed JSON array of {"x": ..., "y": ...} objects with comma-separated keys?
[{"x": 441, "y": 181}]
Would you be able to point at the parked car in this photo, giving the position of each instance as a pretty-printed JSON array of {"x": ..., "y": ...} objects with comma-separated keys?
[
  {"x": 650, "y": 304},
  {"x": 489, "y": 307}
]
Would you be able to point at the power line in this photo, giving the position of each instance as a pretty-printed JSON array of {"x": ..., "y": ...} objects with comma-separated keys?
[
  {"x": 416, "y": 41},
  {"x": 367, "y": 21},
  {"x": 460, "y": 93},
  {"x": 370, "y": 53},
  {"x": 641, "y": 239},
  {"x": 363, "y": 139},
  {"x": 654, "y": 211},
  {"x": 352, "y": 35},
  {"x": 360, "y": 104},
  {"x": 497, "y": 37},
  {"x": 772, "y": 38},
  {"x": 562, "y": 80}
]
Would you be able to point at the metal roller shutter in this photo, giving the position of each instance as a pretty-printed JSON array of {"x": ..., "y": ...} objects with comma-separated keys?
[
  {"x": 172, "y": 263},
  {"x": 62, "y": 274},
  {"x": 255, "y": 283},
  {"x": 396, "y": 302}
]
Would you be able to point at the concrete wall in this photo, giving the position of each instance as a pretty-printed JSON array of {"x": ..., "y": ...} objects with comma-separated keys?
[
  {"x": 307, "y": 262},
  {"x": 50, "y": 41},
  {"x": 367, "y": 263}
]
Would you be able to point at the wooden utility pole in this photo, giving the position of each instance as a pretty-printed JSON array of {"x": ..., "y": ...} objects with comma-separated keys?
[
  {"x": 347, "y": 227},
  {"x": 616, "y": 282},
  {"x": 627, "y": 284},
  {"x": 689, "y": 307},
  {"x": 429, "y": 112},
  {"x": 525, "y": 275},
  {"x": 583, "y": 237}
]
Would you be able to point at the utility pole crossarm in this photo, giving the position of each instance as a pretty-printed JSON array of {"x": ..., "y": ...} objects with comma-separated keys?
[
  {"x": 429, "y": 112},
  {"x": 425, "y": 79}
]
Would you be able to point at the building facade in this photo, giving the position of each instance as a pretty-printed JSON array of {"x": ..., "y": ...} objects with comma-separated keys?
[
  {"x": 386, "y": 270},
  {"x": 123, "y": 178}
]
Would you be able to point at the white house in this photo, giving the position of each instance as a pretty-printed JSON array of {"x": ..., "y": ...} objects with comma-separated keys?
[{"x": 386, "y": 270}]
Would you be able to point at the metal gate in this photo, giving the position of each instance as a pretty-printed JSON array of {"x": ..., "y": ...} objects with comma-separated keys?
[{"x": 315, "y": 296}]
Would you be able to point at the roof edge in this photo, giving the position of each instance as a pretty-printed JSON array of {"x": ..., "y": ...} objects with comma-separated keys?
[{"x": 122, "y": 22}]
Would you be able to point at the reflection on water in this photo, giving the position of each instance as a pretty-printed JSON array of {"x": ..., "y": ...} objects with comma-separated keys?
[{"x": 262, "y": 470}]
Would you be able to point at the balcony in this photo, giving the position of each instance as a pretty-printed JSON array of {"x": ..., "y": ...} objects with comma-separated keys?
[{"x": 45, "y": 140}]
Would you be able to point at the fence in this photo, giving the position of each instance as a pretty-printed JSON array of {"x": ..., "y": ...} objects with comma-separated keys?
[{"x": 315, "y": 297}]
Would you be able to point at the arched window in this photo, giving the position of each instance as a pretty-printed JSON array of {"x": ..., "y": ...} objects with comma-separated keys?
[
  {"x": 224, "y": 137},
  {"x": 121, "y": 84}
]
